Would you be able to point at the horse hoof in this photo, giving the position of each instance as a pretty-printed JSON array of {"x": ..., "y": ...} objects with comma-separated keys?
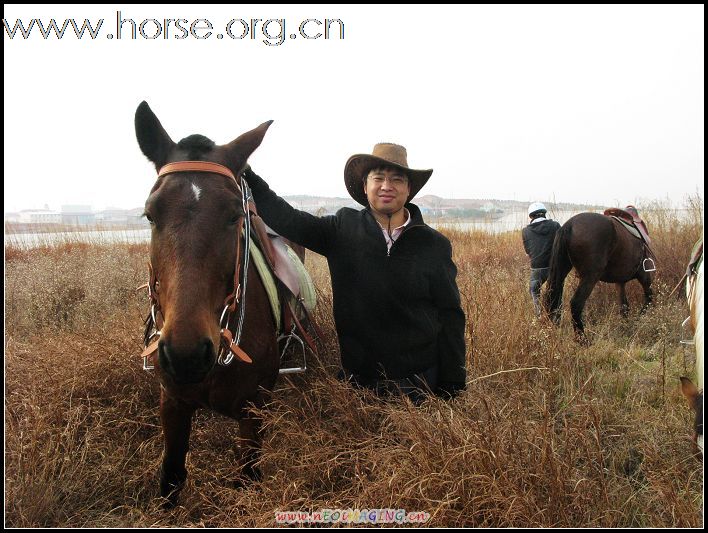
[
  {"x": 245, "y": 482},
  {"x": 252, "y": 473},
  {"x": 170, "y": 497},
  {"x": 170, "y": 502},
  {"x": 582, "y": 339},
  {"x": 241, "y": 483},
  {"x": 249, "y": 475},
  {"x": 170, "y": 487}
]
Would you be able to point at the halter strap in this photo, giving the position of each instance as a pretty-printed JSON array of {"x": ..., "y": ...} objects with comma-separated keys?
[{"x": 197, "y": 166}]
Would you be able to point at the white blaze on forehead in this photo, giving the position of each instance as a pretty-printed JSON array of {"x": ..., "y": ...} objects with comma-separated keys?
[{"x": 197, "y": 192}]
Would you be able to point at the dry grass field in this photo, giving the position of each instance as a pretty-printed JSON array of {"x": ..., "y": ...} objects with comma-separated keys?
[{"x": 548, "y": 434}]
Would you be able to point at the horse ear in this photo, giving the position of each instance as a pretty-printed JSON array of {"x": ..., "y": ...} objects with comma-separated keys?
[
  {"x": 154, "y": 141},
  {"x": 241, "y": 148}
]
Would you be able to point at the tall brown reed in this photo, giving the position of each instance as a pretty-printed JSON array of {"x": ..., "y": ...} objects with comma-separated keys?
[{"x": 549, "y": 433}]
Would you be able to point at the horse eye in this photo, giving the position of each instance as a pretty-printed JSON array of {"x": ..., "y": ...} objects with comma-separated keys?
[{"x": 149, "y": 218}]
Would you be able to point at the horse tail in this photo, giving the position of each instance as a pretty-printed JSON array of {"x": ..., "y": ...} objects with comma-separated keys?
[{"x": 560, "y": 267}]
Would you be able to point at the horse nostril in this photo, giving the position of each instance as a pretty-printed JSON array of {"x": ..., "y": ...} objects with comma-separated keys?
[
  {"x": 163, "y": 358},
  {"x": 189, "y": 364},
  {"x": 208, "y": 355}
]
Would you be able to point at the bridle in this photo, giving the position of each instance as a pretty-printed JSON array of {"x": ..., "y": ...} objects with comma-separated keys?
[{"x": 229, "y": 342}]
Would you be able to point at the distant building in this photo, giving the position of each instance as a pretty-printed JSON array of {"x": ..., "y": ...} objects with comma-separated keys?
[
  {"x": 320, "y": 206},
  {"x": 121, "y": 217},
  {"x": 112, "y": 216},
  {"x": 38, "y": 216},
  {"x": 77, "y": 214},
  {"x": 436, "y": 211},
  {"x": 489, "y": 207}
]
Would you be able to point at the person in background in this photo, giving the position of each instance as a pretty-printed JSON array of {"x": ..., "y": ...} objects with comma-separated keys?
[{"x": 538, "y": 242}]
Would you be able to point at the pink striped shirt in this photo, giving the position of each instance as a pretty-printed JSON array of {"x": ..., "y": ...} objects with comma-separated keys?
[{"x": 396, "y": 232}]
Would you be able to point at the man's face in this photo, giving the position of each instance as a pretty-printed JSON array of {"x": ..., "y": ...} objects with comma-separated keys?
[{"x": 387, "y": 189}]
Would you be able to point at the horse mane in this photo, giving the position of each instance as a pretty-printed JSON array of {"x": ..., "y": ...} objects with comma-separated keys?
[{"x": 196, "y": 146}]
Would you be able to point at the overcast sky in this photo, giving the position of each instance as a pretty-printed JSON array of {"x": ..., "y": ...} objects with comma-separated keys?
[{"x": 588, "y": 104}]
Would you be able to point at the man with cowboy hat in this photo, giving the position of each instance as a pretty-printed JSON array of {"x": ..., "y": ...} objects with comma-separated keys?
[
  {"x": 538, "y": 242},
  {"x": 396, "y": 303}
]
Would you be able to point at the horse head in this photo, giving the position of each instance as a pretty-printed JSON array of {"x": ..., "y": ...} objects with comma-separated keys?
[{"x": 193, "y": 216}]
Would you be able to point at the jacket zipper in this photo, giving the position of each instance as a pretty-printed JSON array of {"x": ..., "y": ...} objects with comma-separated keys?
[{"x": 388, "y": 250}]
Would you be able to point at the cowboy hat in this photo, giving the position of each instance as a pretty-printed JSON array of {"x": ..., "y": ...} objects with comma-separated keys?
[{"x": 384, "y": 154}]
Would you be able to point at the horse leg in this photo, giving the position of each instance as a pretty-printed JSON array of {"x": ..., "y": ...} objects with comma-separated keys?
[
  {"x": 553, "y": 296},
  {"x": 624, "y": 303},
  {"x": 250, "y": 432},
  {"x": 560, "y": 265},
  {"x": 577, "y": 303},
  {"x": 645, "y": 279},
  {"x": 176, "y": 425}
]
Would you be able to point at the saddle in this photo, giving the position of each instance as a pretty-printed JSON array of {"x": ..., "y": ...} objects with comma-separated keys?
[
  {"x": 276, "y": 252},
  {"x": 276, "y": 290},
  {"x": 691, "y": 269},
  {"x": 297, "y": 296},
  {"x": 696, "y": 258},
  {"x": 631, "y": 219}
]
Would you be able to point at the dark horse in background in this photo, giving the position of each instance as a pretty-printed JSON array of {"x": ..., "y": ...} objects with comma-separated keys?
[
  {"x": 600, "y": 249},
  {"x": 196, "y": 218}
]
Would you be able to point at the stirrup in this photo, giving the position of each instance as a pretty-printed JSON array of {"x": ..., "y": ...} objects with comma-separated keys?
[
  {"x": 294, "y": 370},
  {"x": 652, "y": 266}
]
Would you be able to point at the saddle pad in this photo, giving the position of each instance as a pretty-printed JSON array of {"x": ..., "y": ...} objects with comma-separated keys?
[
  {"x": 307, "y": 288},
  {"x": 268, "y": 282},
  {"x": 634, "y": 231}
]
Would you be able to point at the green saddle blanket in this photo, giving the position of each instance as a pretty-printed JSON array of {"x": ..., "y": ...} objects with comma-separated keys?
[{"x": 307, "y": 288}]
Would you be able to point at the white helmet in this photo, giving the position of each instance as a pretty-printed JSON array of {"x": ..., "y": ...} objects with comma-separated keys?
[{"x": 537, "y": 207}]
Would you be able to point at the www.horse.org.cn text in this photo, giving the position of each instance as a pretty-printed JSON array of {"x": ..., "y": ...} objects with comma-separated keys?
[{"x": 271, "y": 32}]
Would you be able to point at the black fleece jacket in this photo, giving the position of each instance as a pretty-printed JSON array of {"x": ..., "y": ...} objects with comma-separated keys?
[
  {"x": 396, "y": 314},
  {"x": 538, "y": 242}
]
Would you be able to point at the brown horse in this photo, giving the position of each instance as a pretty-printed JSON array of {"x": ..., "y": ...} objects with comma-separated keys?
[
  {"x": 600, "y": 249},
  {"x": 197, "y": 215}
]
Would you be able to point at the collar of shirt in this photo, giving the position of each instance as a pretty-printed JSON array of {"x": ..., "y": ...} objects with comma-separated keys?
[
  {"x": 537, "y": 220},
  {"x": 396, "y": 232}
]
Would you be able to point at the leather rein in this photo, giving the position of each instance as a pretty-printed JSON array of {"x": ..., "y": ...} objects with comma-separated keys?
[{"x": 229, "y": 345}]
